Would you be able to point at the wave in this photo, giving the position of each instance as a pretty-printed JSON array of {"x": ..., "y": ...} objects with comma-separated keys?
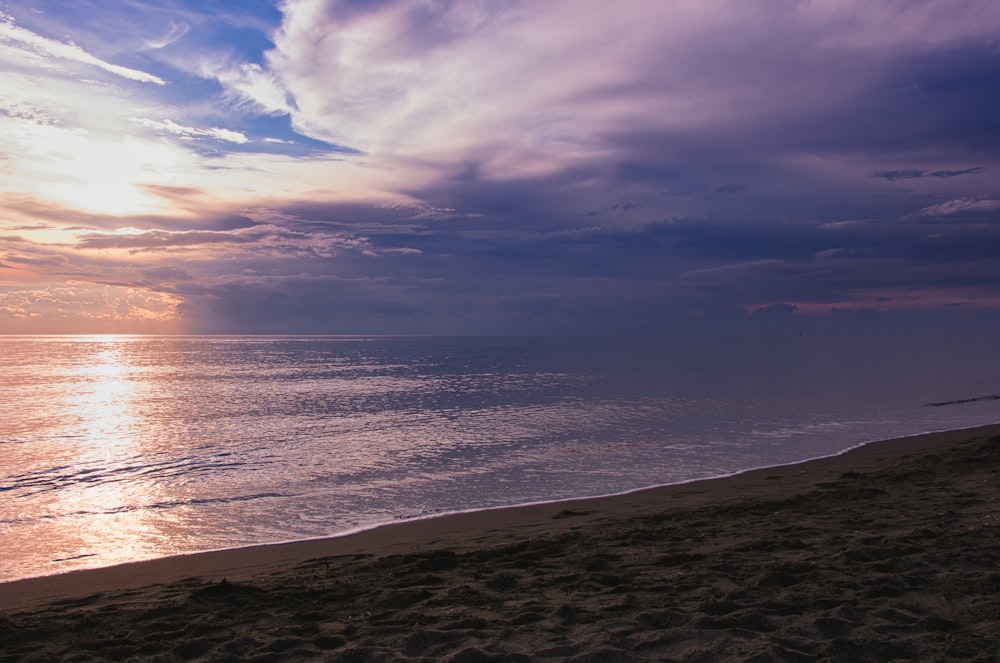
[
  {"x": 136, "y": 469},
  {"x": 170, "y": 504}
]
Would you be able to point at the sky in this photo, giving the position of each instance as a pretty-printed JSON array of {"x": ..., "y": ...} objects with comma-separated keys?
[{"x": 499, "y": 166}]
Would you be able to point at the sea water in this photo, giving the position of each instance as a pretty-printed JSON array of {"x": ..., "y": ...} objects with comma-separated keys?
[{"x": 120, "y": 448}]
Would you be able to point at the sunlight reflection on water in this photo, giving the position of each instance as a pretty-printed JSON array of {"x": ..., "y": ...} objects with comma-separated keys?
[
  {"x": 85, "y": 508},
  {"x": 128, "y": 447}
]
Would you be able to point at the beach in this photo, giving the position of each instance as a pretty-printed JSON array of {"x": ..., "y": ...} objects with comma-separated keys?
[{"x": 890, "y": 551}]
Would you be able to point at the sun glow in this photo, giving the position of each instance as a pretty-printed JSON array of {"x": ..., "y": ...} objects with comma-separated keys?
[
  {"x": 94, "y": 169},
  {"x": 107, "y": 177}
]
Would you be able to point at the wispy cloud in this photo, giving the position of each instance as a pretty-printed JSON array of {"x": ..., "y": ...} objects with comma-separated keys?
[
  {"x": 173, "y": 33},
  {"x": 250, "y": 85},
  {"x": 918, "y": 173},
  {"x": 171, "y": 127},
  {"x": 11, "y": 33},
  {"x": 962, "y": 206},
  {"x": 267, "y": 240}
]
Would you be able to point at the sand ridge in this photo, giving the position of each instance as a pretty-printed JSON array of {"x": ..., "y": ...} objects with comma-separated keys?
[{"x": 888, "y": 552}]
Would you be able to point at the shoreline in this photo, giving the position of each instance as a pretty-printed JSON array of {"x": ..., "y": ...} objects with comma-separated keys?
[
  {"x": 310, "y": 543},
  {"x": 902, "y": 529},
  {"x": 208, "y": 562}
]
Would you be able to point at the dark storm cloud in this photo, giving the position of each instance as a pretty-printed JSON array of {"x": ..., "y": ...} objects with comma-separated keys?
[
  {"x": 463, "y": 276},
  {"x": 772, "y": 231},
  {"x": 773, "y": 159}
]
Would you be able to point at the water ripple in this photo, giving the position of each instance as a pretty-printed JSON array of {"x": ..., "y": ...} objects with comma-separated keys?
[{"x": 132, "y": 447}]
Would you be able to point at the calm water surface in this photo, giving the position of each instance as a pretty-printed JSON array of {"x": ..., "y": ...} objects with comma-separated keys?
[{"x": 117, "y": 448}]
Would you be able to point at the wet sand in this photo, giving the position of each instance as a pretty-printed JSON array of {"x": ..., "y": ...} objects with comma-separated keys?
[{"x": 890, "y": 552}]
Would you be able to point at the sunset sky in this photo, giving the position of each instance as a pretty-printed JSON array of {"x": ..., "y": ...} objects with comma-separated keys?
[{"x": 499, "y": 166}]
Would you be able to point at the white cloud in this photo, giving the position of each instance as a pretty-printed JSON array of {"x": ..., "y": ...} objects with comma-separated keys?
[
  {"x": 380, "y": 85},
  {"x": 176, "y": 129},
  {"x": 251, "y": 85},
  {"x": 174, "y": 32},
  {"x": 13, "y": 34}
]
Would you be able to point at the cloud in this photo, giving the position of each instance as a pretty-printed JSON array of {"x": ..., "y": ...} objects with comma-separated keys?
[
  {"x": 78, "y": 306},
  {"x": 957, "y": 173},
  {"x": 374, "y": 76},
  {"x": 251, "y": 85},
  {"x": 518, "y": 110},
  {"x": 174, "y": 32},
  {"x": 917, "y": 173},
  {"x": 171, "y": 127},
  {"x": 262, "y": 241},
  {"x": 962, "y": 206},
  {"x": 12, "y": 33},
  {"x": 13, "y": 259}
]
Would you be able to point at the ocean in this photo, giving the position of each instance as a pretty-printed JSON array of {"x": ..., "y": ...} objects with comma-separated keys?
[{"x": 122, "y": 448}]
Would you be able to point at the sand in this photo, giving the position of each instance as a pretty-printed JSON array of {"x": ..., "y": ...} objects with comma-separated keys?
[{"x": 890, "y": 552}]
